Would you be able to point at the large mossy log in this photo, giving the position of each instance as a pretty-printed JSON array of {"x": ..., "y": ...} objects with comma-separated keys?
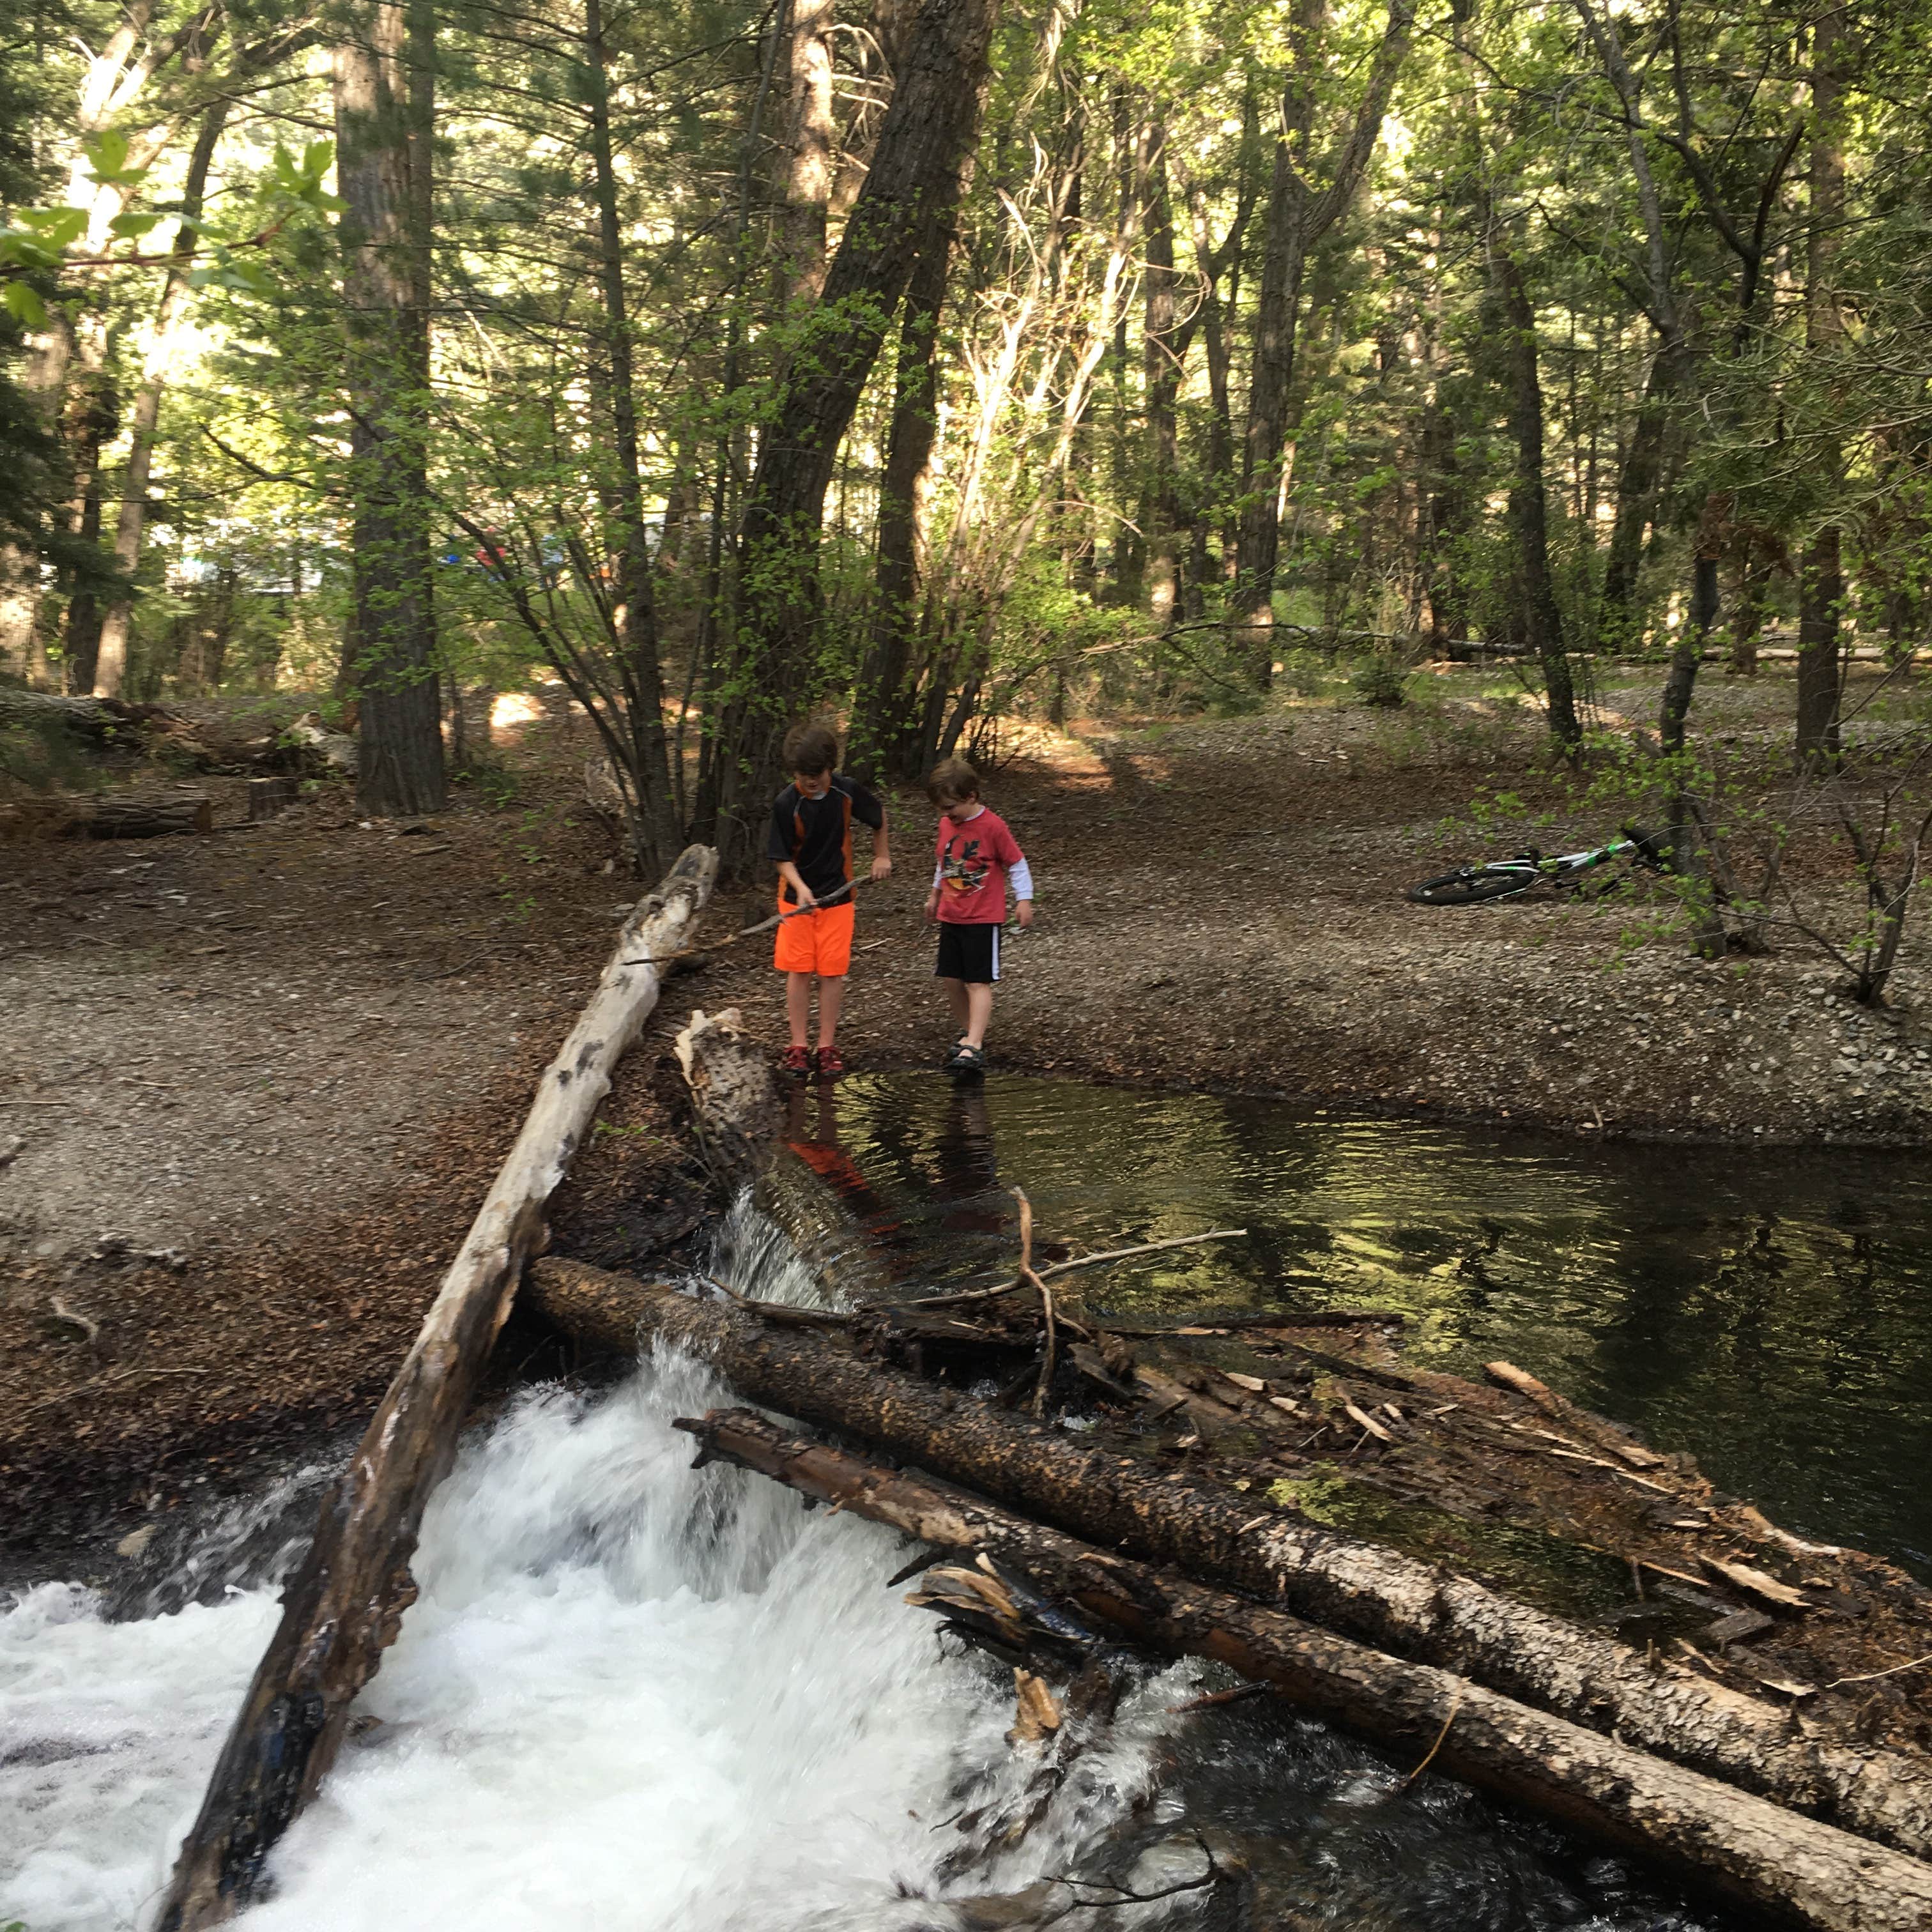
[
  {"x": 345, "y": 1603},
  {"x": 1408, "y": 1608},
  {"x": 1753, "y": 1851}
]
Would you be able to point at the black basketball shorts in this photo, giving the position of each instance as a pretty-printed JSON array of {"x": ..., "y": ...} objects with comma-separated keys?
[{"x": 969, "y": 952}]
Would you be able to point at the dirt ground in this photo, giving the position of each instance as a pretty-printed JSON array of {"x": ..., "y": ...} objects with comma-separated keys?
[{"x": 252, "y": 1086}]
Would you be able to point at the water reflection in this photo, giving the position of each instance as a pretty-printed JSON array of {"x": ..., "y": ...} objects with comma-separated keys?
[{"x": 1768, "y": 1312}]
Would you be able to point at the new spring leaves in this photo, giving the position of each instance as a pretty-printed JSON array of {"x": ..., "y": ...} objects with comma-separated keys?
[{"x": 35, "y": 245}]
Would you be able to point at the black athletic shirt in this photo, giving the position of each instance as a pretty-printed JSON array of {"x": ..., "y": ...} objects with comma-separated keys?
[{"x": 815, "y": 834}]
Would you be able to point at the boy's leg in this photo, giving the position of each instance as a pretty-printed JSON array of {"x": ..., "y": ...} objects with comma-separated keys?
[
  {"x": 955, "y": 998},
  {"x": 798, "y": 1005},
  {"x": 831, "y": 1001},
  {"x": 978, "y": 1003}
]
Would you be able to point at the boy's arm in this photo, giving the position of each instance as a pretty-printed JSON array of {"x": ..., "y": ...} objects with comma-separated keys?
[
  {"x": 882, "y": 857},
  {"x": 805, "y": 895},
  {"x": 1019, "y": 877}
]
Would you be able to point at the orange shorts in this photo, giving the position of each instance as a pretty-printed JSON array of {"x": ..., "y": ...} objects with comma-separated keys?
[{"x": 818, "y": 941}]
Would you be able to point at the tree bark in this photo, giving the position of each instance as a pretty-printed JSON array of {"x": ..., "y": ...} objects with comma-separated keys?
[
  {"x": 345, "y": 1603},
  {"x": 1637, "y": 503},
  {"x": 111, "y": 665},
  {"x": 1159, "y": 509},
  {"x": 924, "y": 141},
  {"x": 806, "y": 193},
  {"x": 1298, "y": 215},
  {"x": 393, "y": 643},
  {"x": 1228, "y": 1541},
  {"x": 1821, "y": 573},
  {"x": 1528, "y": 500},
  {"x": 108, "y": 818},
  {"x": 1755, "y": 1852},
  {"x": 883, "y": 729},
  {"x": 654, "y": 834}
]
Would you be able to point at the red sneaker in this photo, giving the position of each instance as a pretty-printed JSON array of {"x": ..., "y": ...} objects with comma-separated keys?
[
  {"x": 831, "y": 1062},
  {"x": 799, "y": 1060}
]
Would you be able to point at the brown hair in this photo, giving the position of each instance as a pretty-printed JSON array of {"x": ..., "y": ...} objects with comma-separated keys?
[
  {"x": 952, "y": 779},
  {"x": 810, "y": 748}
]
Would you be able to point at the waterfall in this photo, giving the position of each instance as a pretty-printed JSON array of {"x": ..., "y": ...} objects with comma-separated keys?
[{"x": 631, "y": 1695}]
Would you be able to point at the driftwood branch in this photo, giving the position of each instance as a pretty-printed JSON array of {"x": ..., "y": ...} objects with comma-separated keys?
[
  {"x": 345, "y": 1603},
  {"x": 1755, "y": 1851}
]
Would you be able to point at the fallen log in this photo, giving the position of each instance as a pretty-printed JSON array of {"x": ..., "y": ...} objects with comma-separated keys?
[
  {"x": 1752, "y": 1850},
  {"x": 344, "y": 1603},
  {"x": 69, "y": 818},
  {"x": 107, "y": 719},
  {"x": 1408, "y": 1608}
]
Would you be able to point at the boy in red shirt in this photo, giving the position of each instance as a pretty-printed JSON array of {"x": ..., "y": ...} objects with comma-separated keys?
[
  {"x": 978, "y": 858},
  {"x": 811, "y": 843}
]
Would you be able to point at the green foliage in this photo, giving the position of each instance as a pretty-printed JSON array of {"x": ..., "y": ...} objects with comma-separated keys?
[{"x": 1379, "y": 682}]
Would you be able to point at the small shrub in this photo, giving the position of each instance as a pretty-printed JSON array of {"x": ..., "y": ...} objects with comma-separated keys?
[{"x": 1379, "y": 681}]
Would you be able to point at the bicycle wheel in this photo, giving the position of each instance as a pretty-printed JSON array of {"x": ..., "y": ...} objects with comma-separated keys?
[{"x": 1472, "y": 885}]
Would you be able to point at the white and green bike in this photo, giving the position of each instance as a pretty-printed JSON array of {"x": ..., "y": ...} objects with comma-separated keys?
[{"x": 1529, "y": 871}]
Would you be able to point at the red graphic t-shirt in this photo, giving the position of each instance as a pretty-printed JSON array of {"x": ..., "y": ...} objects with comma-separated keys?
[{"x": 974, "y": 861}]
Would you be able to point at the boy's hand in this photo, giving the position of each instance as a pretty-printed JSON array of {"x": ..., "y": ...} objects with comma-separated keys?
[
  {"x": 882, "y": 867},
  {"x": 1024, "y": 908},
  {"x": 932, "y": 903},
  {"x": 805, "y": 896}
]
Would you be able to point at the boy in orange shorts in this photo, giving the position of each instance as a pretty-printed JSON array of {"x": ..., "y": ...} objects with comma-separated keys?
[{"x": 811, "y": 842}]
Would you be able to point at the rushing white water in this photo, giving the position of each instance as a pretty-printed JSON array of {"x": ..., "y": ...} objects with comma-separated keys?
[{"x": 631, "y": 1695}]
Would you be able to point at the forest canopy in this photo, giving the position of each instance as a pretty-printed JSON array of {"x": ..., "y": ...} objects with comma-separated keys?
[{"x": 935, "y": 364}]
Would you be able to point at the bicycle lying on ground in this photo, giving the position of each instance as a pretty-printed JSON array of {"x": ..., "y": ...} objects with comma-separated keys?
[{"x": 1525, "y": 871}]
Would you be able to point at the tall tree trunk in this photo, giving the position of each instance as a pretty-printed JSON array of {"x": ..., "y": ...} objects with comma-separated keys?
[
  {"x": 94, "y": 420},
  {"x": 1821, "y": 574},
  {"x": 1159, "y": 516},
  {"x": 884, "y": 728},
  {"x": 106, "y": 677},
  {"x": 1637, "y": 482},
  {"x": 925, "y": 140},
  {"x": 1299, "y": 214},
  {"x": 806, "y": 190},
  {"x": 655, "y": 834},
  {"x": 1528, "y": 501},
  {"x": 401, "y": 771}
]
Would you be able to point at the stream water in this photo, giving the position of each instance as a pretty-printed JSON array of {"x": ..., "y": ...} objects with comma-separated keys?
[{"x": 634, "y": 1696}]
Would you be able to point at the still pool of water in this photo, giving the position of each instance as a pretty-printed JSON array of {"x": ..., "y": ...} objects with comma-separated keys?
[{"x": 1770, "y": 1312}]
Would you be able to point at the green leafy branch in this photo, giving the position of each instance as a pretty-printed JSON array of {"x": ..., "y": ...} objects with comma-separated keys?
[{"x": 36, "y": 241}]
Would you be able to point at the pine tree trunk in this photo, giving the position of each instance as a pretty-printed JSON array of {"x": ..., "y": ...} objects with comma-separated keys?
[
  {"x": 884, "y": 736},
  {"x": 400, "y": 770},
  {"x": 805, "y": 192},
  {"x": 655, "y": 833},
  {"x": 924, "y": 141},
  {"x": 1821, "y": 573},
  {"x": 1159, "y": 516},
  {"x": 1528, "y": 501},
  {"x": 1636, "y": 505}
]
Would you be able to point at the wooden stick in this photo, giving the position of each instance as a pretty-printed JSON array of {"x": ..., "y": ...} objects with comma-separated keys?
[
  {"x": 744, "y": 931},
  {"x": 1078, "y": 1261},
  {"x": 345, "y": 1604}
]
